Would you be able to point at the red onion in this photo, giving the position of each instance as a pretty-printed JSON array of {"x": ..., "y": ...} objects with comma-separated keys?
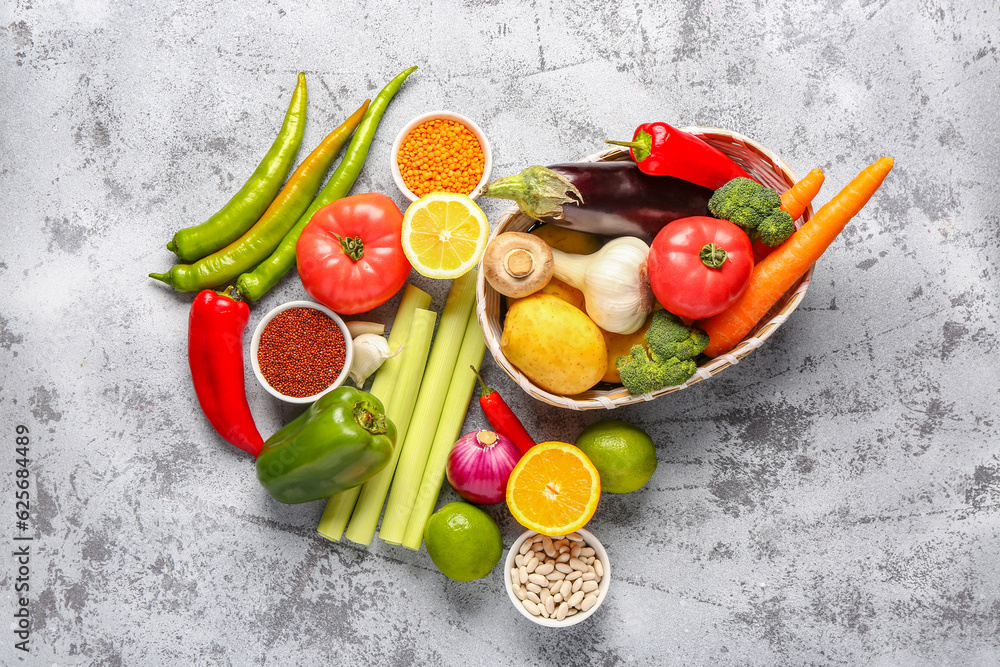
[{"x": 479, "y": 465}]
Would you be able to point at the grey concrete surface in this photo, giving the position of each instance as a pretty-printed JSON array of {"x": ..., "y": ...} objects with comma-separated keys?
[{"x": 831, "y": 500}]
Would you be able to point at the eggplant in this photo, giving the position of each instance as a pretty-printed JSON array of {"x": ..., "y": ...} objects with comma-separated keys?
[{"x": 607, "y": 198}]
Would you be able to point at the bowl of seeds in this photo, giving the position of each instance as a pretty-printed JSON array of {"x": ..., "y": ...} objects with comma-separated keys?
[
  {"x": 300, "y": 351},
  {"x": 557, "y": 581}
]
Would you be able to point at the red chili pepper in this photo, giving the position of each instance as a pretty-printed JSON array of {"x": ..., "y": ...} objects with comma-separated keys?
[
  {"x": 662, "y": 150},
  {"x": 215, "y": 352},
  {"x": 501, "y": 417}
]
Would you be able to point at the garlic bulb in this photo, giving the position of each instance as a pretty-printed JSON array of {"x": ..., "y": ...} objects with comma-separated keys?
[
  {"x": 614, "y": 282},
  {"x": 370, "y": 352}
]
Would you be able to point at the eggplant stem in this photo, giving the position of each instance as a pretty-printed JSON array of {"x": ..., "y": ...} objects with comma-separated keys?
[{"x": 539, "y": 192}]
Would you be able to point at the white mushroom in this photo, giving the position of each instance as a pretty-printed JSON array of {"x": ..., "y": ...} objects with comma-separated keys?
[{"x": 517, "y": 264}]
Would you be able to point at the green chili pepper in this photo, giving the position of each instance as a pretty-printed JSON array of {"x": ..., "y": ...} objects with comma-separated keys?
[
  {"x": 256, "y": 283},
  {"x": 247, "y": 205},
  {"x": 256, "y": 245},
  {"x": 342, "y": 440}
]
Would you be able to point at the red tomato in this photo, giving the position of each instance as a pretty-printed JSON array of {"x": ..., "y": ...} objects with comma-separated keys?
[
  {"x": 349, "y": 255},
  {"x": 760, "y": 250},
  {"x": 688, "y": 285}
]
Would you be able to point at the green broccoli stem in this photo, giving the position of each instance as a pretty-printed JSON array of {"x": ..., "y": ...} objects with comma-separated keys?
[{"x": 712, "y": 256}]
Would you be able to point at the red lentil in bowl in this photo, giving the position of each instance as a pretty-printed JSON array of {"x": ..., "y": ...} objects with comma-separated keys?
[
  {"x": 301, "y": 350},
  {"x": 441, "y": 151},
  {"x": 441, "y": 155}
]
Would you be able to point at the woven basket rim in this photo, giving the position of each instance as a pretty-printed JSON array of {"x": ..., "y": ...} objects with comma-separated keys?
[{"x": 609, "y": 399}]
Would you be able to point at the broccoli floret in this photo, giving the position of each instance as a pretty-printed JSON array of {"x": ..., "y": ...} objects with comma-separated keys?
[
  {"x": 744, "y": 202},
  {"x": 754, "y": 208},
  {"x": 668, "y": 337},
  {"x": 670, "y": 360},
  {"x": 776, "y": 228},
  {"x": 641, "y": 375}
]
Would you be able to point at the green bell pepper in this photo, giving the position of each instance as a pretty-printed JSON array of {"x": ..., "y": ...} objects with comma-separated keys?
[{"x": 343, "y": 439}]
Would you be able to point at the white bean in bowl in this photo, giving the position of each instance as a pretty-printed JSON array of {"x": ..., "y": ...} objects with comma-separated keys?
[{"x": 580, "y": 590}]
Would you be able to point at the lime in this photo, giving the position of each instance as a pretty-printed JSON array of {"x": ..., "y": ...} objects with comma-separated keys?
[
  {"x": 623, "y": 454},
  {"x": 463, "y": 541}
]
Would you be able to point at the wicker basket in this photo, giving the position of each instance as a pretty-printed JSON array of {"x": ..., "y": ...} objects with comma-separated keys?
[{"x": 760, "y": 163}]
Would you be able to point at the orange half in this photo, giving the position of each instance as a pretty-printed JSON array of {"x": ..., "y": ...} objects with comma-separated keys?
[{"x": 554, "y": 489}]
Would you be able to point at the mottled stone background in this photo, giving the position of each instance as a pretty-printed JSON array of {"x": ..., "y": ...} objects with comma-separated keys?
[{"x": 831, "y": 500}]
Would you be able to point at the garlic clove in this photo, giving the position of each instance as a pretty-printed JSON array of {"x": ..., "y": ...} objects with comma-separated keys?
[
  {"x": 358, "y": 327},
  {"x": 370, "y": 352}
]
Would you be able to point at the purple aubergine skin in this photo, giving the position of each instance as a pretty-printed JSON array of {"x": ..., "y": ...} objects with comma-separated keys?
[{"x": 607, "y": 198}]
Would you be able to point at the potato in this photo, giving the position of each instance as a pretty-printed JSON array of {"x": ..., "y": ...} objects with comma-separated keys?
[
  {"x": 555, "y": 344},
  {"x": 569, "y": 240},
  {"x": 567, "y": 293},
  {"x": 620, "y": 345}
]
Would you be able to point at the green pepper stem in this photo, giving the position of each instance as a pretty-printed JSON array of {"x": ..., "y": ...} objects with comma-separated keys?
[
  {"x": 353, "y": 246},
  {"x": 641, "y": 147},
  {"x": 485, "y": 391},
  {"x": 369, "y": 418},
  {"x": 165, "y": 277},
  {"x": 712, "y": 256}
]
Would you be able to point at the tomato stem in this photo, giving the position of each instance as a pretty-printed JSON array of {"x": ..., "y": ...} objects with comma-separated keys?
[
  {"x": 353, "y": 246},
  {"x": 712, "y": 256}
]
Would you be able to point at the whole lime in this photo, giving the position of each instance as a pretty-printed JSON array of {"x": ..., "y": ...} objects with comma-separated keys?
[
  {"x": 623, "y": 454},
  {"x": 463, "y": 541}
]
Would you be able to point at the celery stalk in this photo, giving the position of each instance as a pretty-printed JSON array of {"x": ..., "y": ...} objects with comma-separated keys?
[
  {"x": 387, "y": 376},
  {"x": 369, "y": 507},
  {"x": 456, "y": 405},
  {"x": 427, "y": 411},
  {"x": 339, "y": 507},
  {"x": 337, "y": 513}
]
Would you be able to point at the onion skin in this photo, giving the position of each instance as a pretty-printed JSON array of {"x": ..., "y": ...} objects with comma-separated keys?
[{"x": 480, "y": 464}]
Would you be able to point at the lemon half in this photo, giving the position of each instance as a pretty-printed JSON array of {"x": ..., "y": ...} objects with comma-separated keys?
[{"x": 444, "y": 235}]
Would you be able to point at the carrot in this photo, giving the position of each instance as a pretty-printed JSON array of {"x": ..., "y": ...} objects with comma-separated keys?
[
  {"x": 777, "y": 272},
  {"x": 795, "y": 200}
]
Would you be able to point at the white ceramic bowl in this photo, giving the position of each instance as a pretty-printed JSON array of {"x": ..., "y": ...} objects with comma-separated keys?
[
  {"x": 602, "y": 589},
  {"x": 446, "y": 115},
  {"x": 255, "y": 344}
]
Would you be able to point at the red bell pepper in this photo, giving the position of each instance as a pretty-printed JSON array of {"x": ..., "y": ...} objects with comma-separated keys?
[
  {"x": 215, "y": 352},
  {"x": 662, "y": 150}
]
